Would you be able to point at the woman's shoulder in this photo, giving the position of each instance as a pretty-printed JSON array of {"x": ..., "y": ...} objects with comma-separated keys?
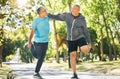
[
  {"x": 47, "y": 17},
  {"x": 37, "y": 18}
]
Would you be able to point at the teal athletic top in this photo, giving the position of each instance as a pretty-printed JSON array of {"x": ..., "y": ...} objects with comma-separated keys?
[{"x": 42, "y": 29}]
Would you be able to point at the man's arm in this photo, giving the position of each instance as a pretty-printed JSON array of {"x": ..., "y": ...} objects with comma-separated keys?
[
  {"x": 60, "y": 17},
  {"x": 87, "y": 35}
]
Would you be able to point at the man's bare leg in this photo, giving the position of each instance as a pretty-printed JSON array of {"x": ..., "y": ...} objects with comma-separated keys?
[{"x": 73, "y": 63}]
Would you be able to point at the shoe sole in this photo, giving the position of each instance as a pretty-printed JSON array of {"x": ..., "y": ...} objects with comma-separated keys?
[
  {"x": 35, "y": 77},
  {"x": 75, "y": 78}
]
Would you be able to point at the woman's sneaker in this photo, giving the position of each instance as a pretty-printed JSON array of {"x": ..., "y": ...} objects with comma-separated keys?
[{"x": 37, "y": 75}]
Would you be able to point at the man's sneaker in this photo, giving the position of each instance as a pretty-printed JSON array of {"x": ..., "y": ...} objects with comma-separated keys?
[
  {"x": 75, "y": 77},
  {"x": 37, "y": 75}
]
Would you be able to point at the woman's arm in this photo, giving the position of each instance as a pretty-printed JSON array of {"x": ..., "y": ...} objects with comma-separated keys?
[{"x": 30, "y": 38}]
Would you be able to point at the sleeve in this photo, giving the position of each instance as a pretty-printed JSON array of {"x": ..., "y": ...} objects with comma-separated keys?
[
  {"x": 34, "y": 24},
  {"x": 60, "y": 17},
  {"x": 86, "y": 32}
]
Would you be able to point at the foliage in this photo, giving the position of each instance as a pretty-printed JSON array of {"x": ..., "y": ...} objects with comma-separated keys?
[
  {"x": 50, "y": 53},
  {"x": 8, "y": 48},
  {"x": 101, "y": 15},
  {"x": 9, "y": 57}
]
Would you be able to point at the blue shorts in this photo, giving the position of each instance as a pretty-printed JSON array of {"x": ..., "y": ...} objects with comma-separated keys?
[{"x": 72, "y": 45}]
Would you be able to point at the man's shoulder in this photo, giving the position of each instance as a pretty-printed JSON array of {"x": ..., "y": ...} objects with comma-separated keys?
[{"x": 82, "y": 16}]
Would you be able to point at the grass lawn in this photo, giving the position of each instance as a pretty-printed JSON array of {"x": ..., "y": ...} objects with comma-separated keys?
[
  {"x": 3, "y": 72},
  {"x": 99, "y": 67},
  {"x": 93, "y": 67}
]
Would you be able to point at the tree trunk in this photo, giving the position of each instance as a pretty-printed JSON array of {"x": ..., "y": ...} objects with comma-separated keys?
[
  {"x": 1, "y": 55},
  {"x": 119, "y": 3},
  {"x": 69, "y": 4},
  {"x": 56, "y": 42},
  {"x": 101, "y": 45},
  {"x": 108, "y": 38},
  {"x": 117, "y": 34},
  {"x": 114, "y": 48},
  {"x": 118, "y": 11},
  {"x": 1, "y": 44},
  {"x": 64, "y": 52}
]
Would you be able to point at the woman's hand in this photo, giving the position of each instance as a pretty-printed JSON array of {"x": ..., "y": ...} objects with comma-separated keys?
[{"x": 29, "y": 45}]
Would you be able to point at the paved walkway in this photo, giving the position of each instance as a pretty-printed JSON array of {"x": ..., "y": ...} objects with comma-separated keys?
[{"x": 25, "y": 71}]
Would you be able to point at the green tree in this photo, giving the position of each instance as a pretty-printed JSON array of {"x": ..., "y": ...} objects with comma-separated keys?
[
  {"x": 2, "y": 17},
  {"x": 100, "y": 16}
]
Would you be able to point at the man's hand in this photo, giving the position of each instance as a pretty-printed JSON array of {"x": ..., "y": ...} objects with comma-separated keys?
[
  {"x": 91, "y": 49},
  {"x": 89, "y": 45},
  {"x": 63, "y": 13}
]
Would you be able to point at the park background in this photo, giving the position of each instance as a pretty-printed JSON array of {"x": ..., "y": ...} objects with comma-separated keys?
[{"x": 103, "y": 22}]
